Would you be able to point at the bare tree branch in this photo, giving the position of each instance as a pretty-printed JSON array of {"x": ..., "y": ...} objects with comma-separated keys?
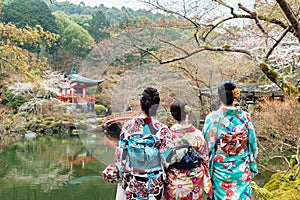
[
  {"x": 162, "y": 8},
  {"x": 277, "y": 42},
  {"x": 233, "y": 38},
  {"x": 254, "y": 16},
  {"x": 173, "y": 45},
  {"x": 189, "y": 54},
  {"x": 219, "y": 23},
  {"x": 291, "y": 17},
  {"x": 193, "y": 77},
  {"x": 298, "y": 160}
]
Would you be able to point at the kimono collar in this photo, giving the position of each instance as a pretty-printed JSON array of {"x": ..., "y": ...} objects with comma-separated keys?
[
  {"x": 180, "y": 128},
  {"x": 230, "y": 110},
  {"x": 148, "y": 120}
]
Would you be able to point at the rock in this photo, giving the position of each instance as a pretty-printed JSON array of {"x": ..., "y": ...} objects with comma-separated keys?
[
  {"x": 76, "y": 132},
  {"x": 29, "y": 135},
  {"x": 92, "y": 121}
]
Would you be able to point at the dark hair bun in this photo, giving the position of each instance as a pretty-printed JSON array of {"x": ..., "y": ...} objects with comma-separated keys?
[
  {"x": 150, "y": 100},
  {"x": 177, "y": 109},
  {"x": 225, "y": 92},
  {"x": 229, "y": 86}
]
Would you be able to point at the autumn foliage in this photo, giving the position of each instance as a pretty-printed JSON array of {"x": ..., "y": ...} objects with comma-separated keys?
[{"x": 278, "y": 131}]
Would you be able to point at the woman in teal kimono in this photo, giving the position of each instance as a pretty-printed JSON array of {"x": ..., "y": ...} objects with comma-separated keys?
[{"x": 232, "y": 144}]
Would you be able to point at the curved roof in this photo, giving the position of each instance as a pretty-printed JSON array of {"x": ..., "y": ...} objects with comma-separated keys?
[{"x": 86, "y": 81}]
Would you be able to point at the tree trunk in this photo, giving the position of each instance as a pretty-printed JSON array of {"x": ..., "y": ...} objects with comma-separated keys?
[
  {"x": 291, "y": 16},
  {"x": 286, "y": 86}
]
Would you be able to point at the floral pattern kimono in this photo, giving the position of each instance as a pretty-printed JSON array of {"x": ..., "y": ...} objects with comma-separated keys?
[
  {"x": 139, "y": 184},
  {"x": 231, "y": 174},
  {"x": 188, "y": 184}
]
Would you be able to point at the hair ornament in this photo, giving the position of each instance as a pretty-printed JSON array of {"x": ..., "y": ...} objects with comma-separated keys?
[
  {"x": 187, "y": 109},
  {"x": 236, "y": 93}
]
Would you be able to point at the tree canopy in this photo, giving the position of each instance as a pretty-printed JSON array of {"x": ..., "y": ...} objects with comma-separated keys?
[
  {"x": 98, "y": 25},
  {"x": 75, "y": 39},
  {"x": 265, "y": 31},
  {"x": 81, "y": 19},
  {"x": 16, "y": 60},
  {"x": 29, "y": 12}
]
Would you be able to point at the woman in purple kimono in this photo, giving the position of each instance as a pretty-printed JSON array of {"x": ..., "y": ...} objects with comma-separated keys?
[{"x": 232, "y": 144}]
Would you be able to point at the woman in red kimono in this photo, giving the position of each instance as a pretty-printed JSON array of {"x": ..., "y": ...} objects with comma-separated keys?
[{"x": 185, "y": 179}]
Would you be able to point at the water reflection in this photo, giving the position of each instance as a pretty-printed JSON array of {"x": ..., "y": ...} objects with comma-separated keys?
[
  {"x": 100, "y": 146},
  {"x": 67, "y": 168},
  {"x": 57, "y": 168}
]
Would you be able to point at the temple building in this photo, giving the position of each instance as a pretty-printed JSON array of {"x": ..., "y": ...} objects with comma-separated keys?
[{"x": 73, "y": 88}]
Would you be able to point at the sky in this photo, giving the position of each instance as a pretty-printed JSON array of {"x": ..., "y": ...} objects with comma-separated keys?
[
  {"x": 135, "y": 4},
  {"x": 109, "y": 3}
]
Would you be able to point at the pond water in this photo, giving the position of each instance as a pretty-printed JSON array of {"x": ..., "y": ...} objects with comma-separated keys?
[{"x": 55, "y": 168}]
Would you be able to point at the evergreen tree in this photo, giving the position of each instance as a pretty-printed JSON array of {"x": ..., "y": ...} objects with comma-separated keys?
[
  {"x": 97, "y": 23},
  {"x": 75, "y": 39},
  {"x": 33, "y": 13},
  {"x": 30, "y": 12}
]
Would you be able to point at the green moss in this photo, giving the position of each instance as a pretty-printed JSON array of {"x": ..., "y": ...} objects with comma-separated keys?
[
  {"x": 264, "y": 66},
  {"x": 100, "y": 109},
  {"x": 282, "y": 187},
  {"x": 261, "y": 193},
  {"x": 289, "y": 88},
  {"x": 273, "y": 75},
  {"x": 226, "y": 46},
  {"x": 293, "y": 160},
  {"x": 272, "y": 185}
]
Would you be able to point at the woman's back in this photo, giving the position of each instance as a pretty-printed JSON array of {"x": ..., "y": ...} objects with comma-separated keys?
[
  {"x": 231, "y": 140},
  {"x": 188, "y": 177},
  {"x": 188, "y": 134},
  {"x": 138, "y": 154}
]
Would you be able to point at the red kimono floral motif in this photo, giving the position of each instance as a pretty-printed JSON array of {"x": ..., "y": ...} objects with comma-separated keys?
[{"x": 188, "y": 184}]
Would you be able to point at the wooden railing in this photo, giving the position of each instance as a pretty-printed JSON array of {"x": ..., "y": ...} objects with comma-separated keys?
[
  {"x": 116, "y": 116},
  {"x": 76, "y": 98}
]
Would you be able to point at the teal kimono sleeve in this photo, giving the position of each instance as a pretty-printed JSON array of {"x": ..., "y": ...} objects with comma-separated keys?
[
  {"x": 209, "y": 133},
  {"x": 253, "y": 148}
]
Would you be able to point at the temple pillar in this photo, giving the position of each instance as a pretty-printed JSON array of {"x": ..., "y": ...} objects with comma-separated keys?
[
  {"x": 72, "y": 94},
  {"x": 83, "y": 92}
]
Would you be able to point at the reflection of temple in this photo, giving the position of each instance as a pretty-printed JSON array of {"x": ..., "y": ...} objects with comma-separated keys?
[
  {"x": 80, "y": 159},
  {"x": 73, "y": 88}
]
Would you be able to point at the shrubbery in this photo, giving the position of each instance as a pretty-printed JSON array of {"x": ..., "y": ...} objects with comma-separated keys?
[
  {"x": 100, "y": 109},
  {"x": 12, "y": 100},
  {"x": 278, "y": 132}
]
